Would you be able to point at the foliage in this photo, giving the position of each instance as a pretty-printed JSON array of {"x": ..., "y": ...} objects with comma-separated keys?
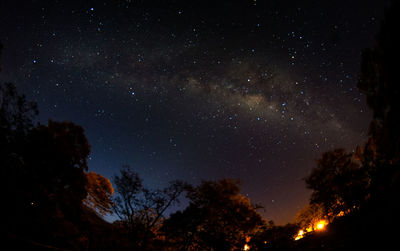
[
  {"x": 338, "y": 182},
  {"x": 375, "y": 185},
  {"x": 100, "y": 192},
  {"x": 16, "y": 113},
  {"x": 128, "y": 185},
  {"x": 379, "y": 82},
  {"x": 57, "y": 157},
  {"x": 310, "y": 215},
  {"x": 44, "y": 170},
  {"x": 141, "y": 209},
  {"x": 217, "y": 218},
  {"x": 16, "y": 122}
]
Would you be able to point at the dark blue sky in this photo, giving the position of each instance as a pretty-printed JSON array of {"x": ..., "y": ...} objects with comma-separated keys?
[{"x": 190, "y": 90}]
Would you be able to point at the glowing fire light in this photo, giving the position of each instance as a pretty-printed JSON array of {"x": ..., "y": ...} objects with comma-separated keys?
[
  {"x": 246, "y": 247},
  {"x": 319, "y": 226},
  {"x": 299, "y": 235}
]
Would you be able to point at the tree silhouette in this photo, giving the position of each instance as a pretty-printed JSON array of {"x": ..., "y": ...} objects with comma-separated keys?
[
  {"x": 338, "y": 182},
  {"x": 51, "y": 184},
  {"x": 57, "y": 155},
  {"x": 128, "y": 185},
  {"x": 16, "y": 113},
  {"x": 310, "y": 215},
  {"x": 16, "y": 123},
  {"x": 141, "y": 209},
  {"x": 217, "y": 218},
  {"x": 379, "y": 82},
  {"x": 376, "y": 183},
  {"x": 100, "y": 191},
  {"x": 45, "y": 169}
]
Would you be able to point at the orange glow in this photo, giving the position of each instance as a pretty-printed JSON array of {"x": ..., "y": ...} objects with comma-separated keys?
[
  {"x": 299, "y": 235},
  {"x": 246, "y": 247},
  {"x": 321, "y": 225},
  {"x": 318, "y": 226}
]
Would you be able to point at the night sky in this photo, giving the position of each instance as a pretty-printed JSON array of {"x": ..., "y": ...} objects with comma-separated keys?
[{"x": 194, "y": 90}]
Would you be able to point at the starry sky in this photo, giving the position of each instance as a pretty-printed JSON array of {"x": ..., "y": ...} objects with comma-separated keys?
[{"x": 194, "y": 90}]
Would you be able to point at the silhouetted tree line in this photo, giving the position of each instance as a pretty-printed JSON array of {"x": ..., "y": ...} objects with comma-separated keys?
[
  {"x": 44, "y": 169},
  {"x": 52, "y": 202},
  {"x": 359, "y": 192}
]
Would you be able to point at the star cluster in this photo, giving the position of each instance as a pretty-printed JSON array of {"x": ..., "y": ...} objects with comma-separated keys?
[{"x": 199, "y": 90}]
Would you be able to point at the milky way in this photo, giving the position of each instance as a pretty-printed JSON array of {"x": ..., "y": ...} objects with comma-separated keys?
[{"x": 197, "y": 90}]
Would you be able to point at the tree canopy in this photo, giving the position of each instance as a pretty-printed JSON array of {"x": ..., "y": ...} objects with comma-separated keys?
[
  {"x": 99, "y": 193},
  {"x": 339, "y": 182},
  {"x": 218, "y": 218},
  {"x": 142, "y": 209}
]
